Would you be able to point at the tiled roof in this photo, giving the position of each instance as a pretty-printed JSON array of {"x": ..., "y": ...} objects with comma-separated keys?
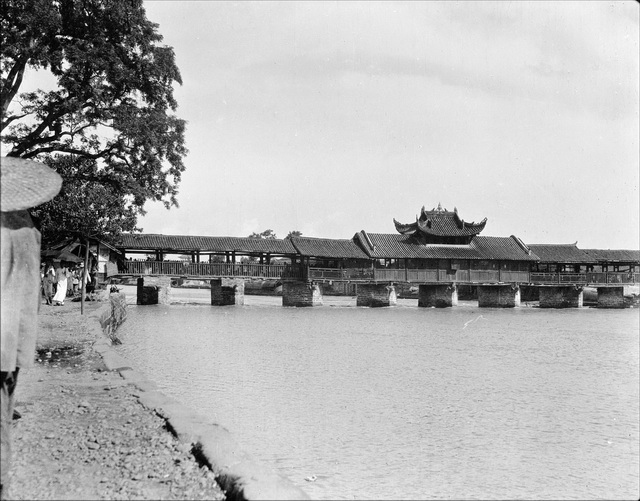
[
  {"x": 503, "y": 248},
  {"x": 184, "y": 243},
  {"x": 560, "y": 253},
  {"x": 72, "y": 242},
  {"x": 445, "y": 225},
  {"x": 441, "y": 222},
  {"x": 326, "y": 247},
  {"x": 391, "y": 246},
  {"x": 613, "y": 255}
]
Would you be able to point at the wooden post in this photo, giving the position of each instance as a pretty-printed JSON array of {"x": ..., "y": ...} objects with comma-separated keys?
[
  {"x": 97, "y": 259},
  {"x": 84, "y": 276}
]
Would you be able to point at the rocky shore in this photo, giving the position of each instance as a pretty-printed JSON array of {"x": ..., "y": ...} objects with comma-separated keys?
[{"x": 83, "y": 433}]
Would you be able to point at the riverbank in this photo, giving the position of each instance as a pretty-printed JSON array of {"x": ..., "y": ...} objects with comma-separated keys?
[{"x": 83, "y": 433}]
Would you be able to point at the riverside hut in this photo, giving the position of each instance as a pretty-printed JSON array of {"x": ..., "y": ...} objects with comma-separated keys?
[{"x": 103, "y": 257}]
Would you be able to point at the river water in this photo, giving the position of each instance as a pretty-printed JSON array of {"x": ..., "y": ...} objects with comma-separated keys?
[{"x": 407, "y": 402}]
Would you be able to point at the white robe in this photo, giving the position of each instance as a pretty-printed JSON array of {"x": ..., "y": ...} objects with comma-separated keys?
[{"x": 61, "y": 291}]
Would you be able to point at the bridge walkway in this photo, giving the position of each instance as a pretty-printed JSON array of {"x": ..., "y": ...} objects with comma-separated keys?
[{"x": 256, "y": 271}]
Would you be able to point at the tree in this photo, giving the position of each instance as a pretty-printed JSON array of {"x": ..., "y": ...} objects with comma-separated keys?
[
  {"x": 109, "y": 125},
  {"x": 267, "y": 234},
  {"x": 294, "y": 233},
  {"x": 83, "y": 208}
]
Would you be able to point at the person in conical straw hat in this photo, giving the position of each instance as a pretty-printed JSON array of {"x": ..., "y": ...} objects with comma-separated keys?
[{"x": 23, "y": 184}]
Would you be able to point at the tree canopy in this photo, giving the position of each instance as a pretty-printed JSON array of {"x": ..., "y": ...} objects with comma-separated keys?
[
  {"x": 268, "y": 234},
  {"x": 109, "y": 127}
]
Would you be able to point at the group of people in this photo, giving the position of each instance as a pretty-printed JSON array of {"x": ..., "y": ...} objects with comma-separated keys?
[{"x": 66, "y": 280}]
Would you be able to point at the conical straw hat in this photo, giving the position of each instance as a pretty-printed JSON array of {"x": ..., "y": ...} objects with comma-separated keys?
[{"x": 25, "y": 183}]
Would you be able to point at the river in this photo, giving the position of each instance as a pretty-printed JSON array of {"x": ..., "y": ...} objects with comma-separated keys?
[{"x": 406, "y": 402}]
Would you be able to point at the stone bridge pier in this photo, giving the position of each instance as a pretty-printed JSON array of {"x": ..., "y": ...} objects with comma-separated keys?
[
  {"x": 610, "y": 297},
  {"x": 560, "y": 296},
  {"x": 301, "y": 293},
  {"x": 227, "y": 291},
  {"x": 437, "y": 295},
  {"x": 376, "y": 295},
  {"x": 153, "y": 290},
  {"x": 498, "y": 296}
]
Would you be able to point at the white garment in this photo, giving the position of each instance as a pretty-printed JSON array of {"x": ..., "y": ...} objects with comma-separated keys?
[{"x": 61, "y": 291}]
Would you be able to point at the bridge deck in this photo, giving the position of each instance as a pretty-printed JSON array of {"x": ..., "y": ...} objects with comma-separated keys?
[{"x": 207, "y": 271}]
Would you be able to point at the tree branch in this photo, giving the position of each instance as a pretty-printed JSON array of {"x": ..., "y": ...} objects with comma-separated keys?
[
  {"x": 7, "y": 121},
  {"x": 34, "y": 137},
  {"x": 14, "y": 80},
  {"x": 65, "y": 149}
]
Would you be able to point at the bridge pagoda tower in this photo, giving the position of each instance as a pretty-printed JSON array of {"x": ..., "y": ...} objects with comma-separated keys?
[{"x": 442, "y": 227}]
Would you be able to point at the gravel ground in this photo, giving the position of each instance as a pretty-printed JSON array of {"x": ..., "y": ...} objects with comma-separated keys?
[{"x": 84, "y": 435}]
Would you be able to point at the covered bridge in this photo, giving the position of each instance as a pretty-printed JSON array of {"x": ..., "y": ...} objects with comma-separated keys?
[{"x": 215, "y": 249}]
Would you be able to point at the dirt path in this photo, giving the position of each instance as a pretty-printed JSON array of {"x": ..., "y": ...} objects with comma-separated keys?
[{"x": 84, "y": 435}]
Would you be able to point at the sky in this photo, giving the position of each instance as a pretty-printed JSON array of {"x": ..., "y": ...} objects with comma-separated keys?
[{"x": 332, "y": 117}]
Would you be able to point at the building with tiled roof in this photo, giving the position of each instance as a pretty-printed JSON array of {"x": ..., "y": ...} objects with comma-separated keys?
[
  {"x": 561, "y": 254},
  {"x": 561, "y": 258},
  {"x": 391, "y": 246},
  {"x": 439, "y": 235},
  {"x": 440, "y": 226},
  {"x": 439, "y": 246},
  {"x": 438, "y": 240},
  {"x": 160, "y": 245},
  {"x": 614, "y": 256},
  {"x": 329, "y": 248},
  {"x": 614, "y": 259}
]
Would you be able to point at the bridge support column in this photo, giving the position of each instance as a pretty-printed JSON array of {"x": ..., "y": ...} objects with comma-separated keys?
[
  {"x": 301, "y": 293},
  {"x": 610, "y": 297},
  {"x": 153, "y": 290},
  {"x": 559, "y": 296},
  {"x": 437, "y": 295},
  {"x": 498, "y": 296},
  {"x": 227, "y": 291},
  {"x": 376, "y": 295}
]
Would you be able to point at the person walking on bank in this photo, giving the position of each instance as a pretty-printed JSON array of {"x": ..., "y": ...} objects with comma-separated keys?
[
  {"x": 62, "y": 277},
  {"x": 47, "y": 285},
  {"x": 23, "y": 184},
  {"x": 76, "y": 280}
]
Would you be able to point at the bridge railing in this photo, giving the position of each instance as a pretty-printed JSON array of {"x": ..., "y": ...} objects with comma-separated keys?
[
  {"x": 178, "y": 269},
  {"x": 277, "y": 271},
  {"x": 456, "y": 276},
  {"x": 340, "y": 273},
  {"x": 587, "y": 278}
]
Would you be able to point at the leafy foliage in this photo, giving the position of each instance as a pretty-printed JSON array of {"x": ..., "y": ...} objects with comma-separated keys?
[
  {"x": 82, "y": 208},
  {"x": 293, "y": 233},
  {"x": 268, "y": 234},
  {"x": 109, "y": 125}
]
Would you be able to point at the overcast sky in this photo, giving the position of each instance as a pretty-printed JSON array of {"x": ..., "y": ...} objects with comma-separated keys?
[{"x": 332, "y": 117}]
